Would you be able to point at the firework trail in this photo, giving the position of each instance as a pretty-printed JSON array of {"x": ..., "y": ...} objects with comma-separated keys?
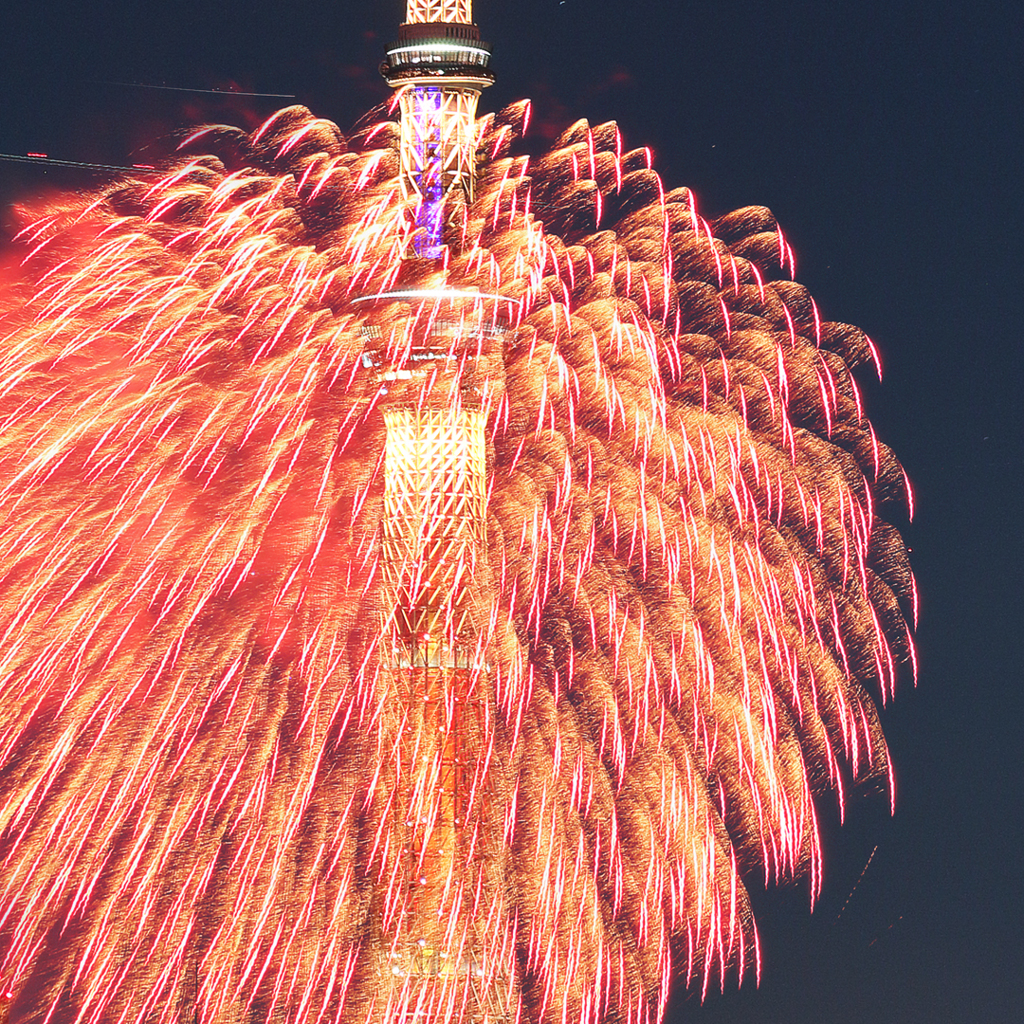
[{"x": 687, "y": 591}]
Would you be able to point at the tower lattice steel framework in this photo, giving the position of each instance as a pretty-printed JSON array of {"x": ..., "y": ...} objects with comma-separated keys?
[{"x": 437, "y": 954}]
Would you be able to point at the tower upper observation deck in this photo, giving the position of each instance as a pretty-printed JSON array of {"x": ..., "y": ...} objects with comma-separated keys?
[{"x": 437, "y": 40}]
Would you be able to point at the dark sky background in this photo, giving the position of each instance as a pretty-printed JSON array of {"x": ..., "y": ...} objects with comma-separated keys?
[{"x": 887, "y": 138}]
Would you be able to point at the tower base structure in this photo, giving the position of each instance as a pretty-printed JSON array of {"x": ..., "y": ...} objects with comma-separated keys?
[{"x": 444, "y": 959}]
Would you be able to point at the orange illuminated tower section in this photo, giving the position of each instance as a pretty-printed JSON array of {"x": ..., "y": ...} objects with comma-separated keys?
[{"x": 441, "y": 960}]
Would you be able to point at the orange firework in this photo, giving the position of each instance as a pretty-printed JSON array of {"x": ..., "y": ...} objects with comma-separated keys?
[{"x": 684, "y": 595}]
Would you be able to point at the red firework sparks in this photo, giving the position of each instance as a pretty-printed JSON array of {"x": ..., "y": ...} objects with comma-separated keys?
[{"x": 685, "y": 596}]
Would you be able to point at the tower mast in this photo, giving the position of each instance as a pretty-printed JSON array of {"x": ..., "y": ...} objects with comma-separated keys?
[{"x": 440, "y": 65}]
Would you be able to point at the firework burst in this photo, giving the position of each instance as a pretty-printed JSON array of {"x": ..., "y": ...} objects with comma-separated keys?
[{"x": 685, "y": 596}]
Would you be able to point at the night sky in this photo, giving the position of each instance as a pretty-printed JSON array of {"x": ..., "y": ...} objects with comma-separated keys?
[{"x": 887, "y": 138}]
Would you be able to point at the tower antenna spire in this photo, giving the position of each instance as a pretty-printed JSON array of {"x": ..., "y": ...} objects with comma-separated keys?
[{"x": 440, "y": 67}]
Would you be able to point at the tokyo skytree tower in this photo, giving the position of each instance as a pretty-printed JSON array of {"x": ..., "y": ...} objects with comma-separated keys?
[{"x": 437, "y": 958}]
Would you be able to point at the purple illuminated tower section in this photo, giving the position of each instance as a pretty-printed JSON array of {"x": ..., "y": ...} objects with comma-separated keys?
[{"x": 440, "y": 67}]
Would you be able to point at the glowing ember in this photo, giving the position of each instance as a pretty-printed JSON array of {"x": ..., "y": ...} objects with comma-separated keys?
[{"x": 687, "y": 591}]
